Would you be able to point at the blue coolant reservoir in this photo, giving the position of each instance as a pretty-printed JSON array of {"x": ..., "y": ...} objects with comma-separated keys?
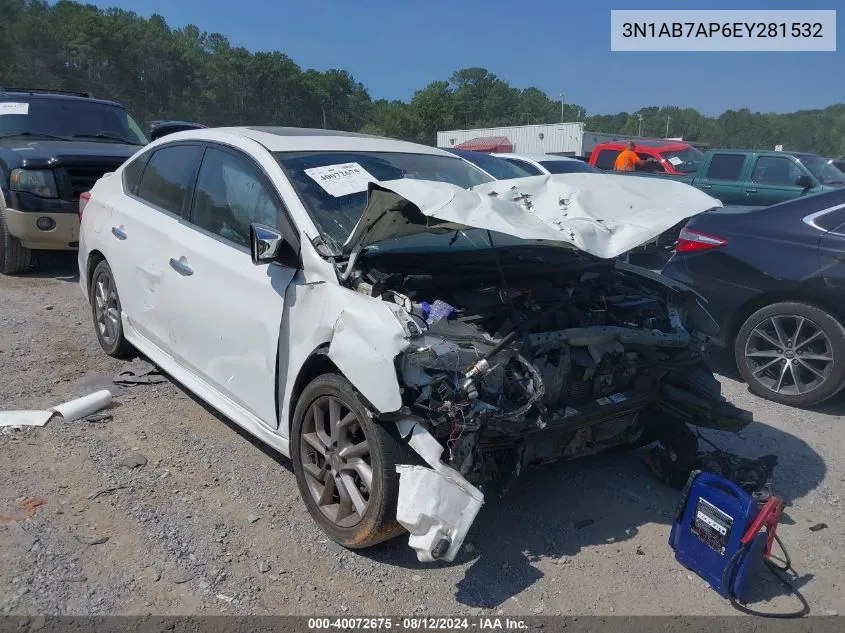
[{"x": 706, "y": 534}]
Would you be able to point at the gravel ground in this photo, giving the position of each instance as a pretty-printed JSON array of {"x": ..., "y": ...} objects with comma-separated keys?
[{"x": 212, "y": 522}]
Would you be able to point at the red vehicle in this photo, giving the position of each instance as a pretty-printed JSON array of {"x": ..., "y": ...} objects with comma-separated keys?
[{"x": 673, "y": 158}]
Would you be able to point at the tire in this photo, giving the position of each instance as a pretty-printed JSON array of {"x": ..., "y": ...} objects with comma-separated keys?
[
  {"x": 792, "y": 353},
  {"x": 378, "y": 521},
  {"x": 14, "y": 257},
  {"x": 106, "y": 311}
]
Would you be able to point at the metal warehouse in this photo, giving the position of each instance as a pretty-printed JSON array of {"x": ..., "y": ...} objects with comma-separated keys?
[{"x": 567, "y": 139}]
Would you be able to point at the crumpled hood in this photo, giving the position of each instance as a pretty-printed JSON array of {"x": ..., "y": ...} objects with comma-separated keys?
[{"x": 603, "y": 214}]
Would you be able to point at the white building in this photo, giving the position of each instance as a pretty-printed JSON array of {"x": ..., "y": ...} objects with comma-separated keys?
[{"x": 566, "y": 139}]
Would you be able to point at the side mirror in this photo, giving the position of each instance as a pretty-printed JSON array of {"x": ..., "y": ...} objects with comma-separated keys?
[
  {"x": 805, "y": 182},
  {"x": 268, "y": 245}
]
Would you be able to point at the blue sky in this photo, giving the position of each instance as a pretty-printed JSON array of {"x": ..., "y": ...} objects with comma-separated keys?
[{"x": 399, "y": 46}]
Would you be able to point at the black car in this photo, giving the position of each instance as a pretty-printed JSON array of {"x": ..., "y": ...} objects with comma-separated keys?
[
  {"x": 774, "y": 279},
  {"x": 53, "y": 147}
]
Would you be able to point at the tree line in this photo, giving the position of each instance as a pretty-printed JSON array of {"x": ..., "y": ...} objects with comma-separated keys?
[{"x": 159, "y": 72}]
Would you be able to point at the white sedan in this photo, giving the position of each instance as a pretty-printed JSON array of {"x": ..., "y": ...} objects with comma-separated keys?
[
  {"x": 536, "y": 164},
  {"x": 401, "y": 326}
]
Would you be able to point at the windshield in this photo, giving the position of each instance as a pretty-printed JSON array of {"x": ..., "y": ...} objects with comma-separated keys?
[
  {"x": 685, "y": 161},
  {"x": 569, "y": 167},
  {"x": 496, "y": 167},
  {"x": 333, "y": 185},
  {"x": 823, "y": 170},
  {"x": 68, "y": 119}
]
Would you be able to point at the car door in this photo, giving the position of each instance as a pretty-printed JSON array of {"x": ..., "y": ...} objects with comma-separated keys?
[
  {"x": 723, "y": 177},
  {"x": 140, "y": 231},
  {"x": 773, "y": 179},
  {"x": 227, "y": 310},
  {"x": 832, "y": 247}
]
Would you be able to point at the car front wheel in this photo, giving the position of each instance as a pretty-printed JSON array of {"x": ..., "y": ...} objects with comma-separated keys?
[
  {"x": 14, "y": 257},
  {"x": 792, "y": 353},
  {"x": 105, "y": 310},
  {"x": 345, "y": 464}
]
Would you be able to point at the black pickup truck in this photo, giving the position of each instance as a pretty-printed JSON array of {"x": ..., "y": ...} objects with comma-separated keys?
[{"x": 53, "y": 147}]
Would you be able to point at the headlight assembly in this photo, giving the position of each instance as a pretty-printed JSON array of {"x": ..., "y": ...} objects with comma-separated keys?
[{"x": 40, "y": 182}]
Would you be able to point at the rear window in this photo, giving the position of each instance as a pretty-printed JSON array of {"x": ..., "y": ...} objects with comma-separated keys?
[
  {"x": 726, "y": 166},
  {"x": 569, "y": 167},
  {"x": 527, "y": 167},
  {"x": 606, "y": 158}
]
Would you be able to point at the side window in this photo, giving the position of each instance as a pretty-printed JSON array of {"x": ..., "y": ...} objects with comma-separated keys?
[
  {"x": 726, "y": 167},
  {"x": 775, "y": 170},
  {"x": 832, "y": 221},
  {"x": 229, "y": 196},
  {"x": 132, "y": 172},
  {"x": 653, "y": 165},
  {"x": 606, "y": 159},
  {"x": 526, "y": 166},
  {"x": 167, "y": 177}
]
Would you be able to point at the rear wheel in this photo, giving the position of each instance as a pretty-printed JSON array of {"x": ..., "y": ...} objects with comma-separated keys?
[
  {"x": 345, "y": 464},
  {"x": 792, "y": 353},
  {"x": 14, "y": 257},
  {"x": 105, "y": 309}
]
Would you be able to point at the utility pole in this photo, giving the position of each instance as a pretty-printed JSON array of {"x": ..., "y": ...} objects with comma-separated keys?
[
  {"x": 561, "y": 107},
  {"x": 324, "y": 116},
  {"x": 667, "y": 126},
  {"x": 640, "y": 125}
]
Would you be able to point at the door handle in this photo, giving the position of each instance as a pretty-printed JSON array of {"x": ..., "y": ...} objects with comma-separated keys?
[
  {"x": 705, "y": 186},
  {"x": 181, "y": 267},
  {"x": 118, "y": 232},
  {"x": 747, "y": 191}
]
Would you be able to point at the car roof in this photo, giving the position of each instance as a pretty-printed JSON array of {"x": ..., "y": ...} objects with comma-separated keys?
[
  {"x": 655, "y": 144},
  {"x": 297, "y": 139},
  {"x": 7, "y": 94},
  {"x": 535, "y": 157}
]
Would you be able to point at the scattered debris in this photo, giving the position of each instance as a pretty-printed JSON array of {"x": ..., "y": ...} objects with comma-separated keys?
[
  {"x": 17, "y": 419},
  {"x": 49, "y": 307},
  {"x": 91, "y": 540},
  {"x": 82, "y": 407},
  {"x": 99, "y": 417},
  {"x": 583, "y": 523},
  {"x": 74, "y": 578},
  {"x": 139, "y": 372},
  {"x": 817, "y": 527},
  {"x": 263, "y": 567},
  {"x": 640, "y": 551},
  {"x": 181, "y": 577},
  {"x": 224, "y": 598},
  {"x": 252, "y": 517},
  {"x": 28, "y": 504},
  {"x": 101, "y": 491},
  {"x": 132, "y": 460}
]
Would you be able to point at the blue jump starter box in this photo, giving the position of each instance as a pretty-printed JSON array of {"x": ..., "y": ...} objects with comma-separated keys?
[{"x": 717, "y": 533}]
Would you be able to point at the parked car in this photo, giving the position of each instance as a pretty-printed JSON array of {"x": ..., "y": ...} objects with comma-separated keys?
[
  {"x": 496, "y": 168},
  {"x": 537, "y": 164},
  {"x": 365, "y": 305},
  {"x": 53, "y": 147},
  {"x": 774, "y": 279},
  {"x": 674, "y": 158},
  {"x": 759, "y": 178}
]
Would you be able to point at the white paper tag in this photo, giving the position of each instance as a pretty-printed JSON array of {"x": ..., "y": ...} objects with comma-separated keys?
[
  {"x": 341, "y": 180},
  {"x": 674, "y": 160},
  {"x": 10, "y": 107}
]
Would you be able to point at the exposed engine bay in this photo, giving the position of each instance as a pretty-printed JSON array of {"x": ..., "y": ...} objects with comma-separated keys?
[{"x": 534, "y": 354}]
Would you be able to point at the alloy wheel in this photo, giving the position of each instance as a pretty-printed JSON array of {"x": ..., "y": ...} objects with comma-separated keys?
[
  {"x": 789, "y": 354},
  {"x": 106, "y": 311},
  {"x": 335, "y": 456}
]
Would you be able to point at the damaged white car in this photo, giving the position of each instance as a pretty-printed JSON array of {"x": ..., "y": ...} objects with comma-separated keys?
[{"x": 408, "y": 331}]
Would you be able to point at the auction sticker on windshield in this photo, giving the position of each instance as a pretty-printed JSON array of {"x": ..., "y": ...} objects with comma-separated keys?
[
  {"x": 10, "y": 107},
  {"x": 341, "y": 180}
]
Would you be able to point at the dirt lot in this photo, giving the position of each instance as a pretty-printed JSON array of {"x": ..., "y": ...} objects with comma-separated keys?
[{"x": 213, "y": 522}]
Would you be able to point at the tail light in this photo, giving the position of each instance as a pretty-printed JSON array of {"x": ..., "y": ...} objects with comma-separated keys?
[
  {"x": 690, "y": 241},
  {"x": 84, "y": 197}
]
